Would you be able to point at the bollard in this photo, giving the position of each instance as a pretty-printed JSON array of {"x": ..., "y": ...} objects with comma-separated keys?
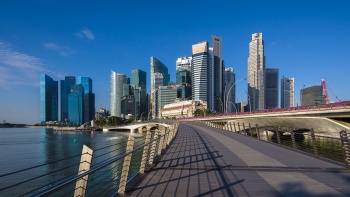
[
  {"x": 85, "y": 162},
  {"x": 346, "y": 147},
  {"x": 126, "y": 165},
  {"x": 293, "y": 140},
  {"x": 153, "y": 148},
  {"x": 257, "y": 131},
  {"x": 313, "y": 140},
  {"x": 145, "y": 152}
]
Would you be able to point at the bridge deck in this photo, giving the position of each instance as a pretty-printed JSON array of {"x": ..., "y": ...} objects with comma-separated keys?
[{"x": 204, "y": 161}]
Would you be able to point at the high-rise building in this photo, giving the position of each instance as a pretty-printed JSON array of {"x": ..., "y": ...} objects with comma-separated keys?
[
  {"x": 76, "y": 104},
  {"x": 138, "y": 78},
  {"x": 200, "y": 72},
  {"x": 218, "y": 70},
  {"x": 65, "y": 91},
  {"x": 312, "y": 96},
  {"x": 127, "y": 105},
  {"x": 159, "y": 75},
  {"x": 183, "y": 77},
  {"x": 256, "y": 73},
  {"x": 287, "y": 92},
  {"x": 229, "y": 91},
  {"x": 86, "y": 82},
  {"x": 48, "y": 99},
  {"x": 89, "y": 98},
  {"x": 271, "y": 88},
  {"x": 166, "y": 95},
  {"x": 116, "y": 92}
]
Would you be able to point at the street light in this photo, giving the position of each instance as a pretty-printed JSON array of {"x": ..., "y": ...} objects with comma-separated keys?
[
  {"x": 141, "y": 116},
  {"x": 234, "y": 105},
  {"x": 230, "y": 91}
]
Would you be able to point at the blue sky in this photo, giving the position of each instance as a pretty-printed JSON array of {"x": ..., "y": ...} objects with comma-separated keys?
[{"x": 308, "y": 40}]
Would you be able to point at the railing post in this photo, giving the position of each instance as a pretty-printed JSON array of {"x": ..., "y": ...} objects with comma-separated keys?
[
  {"x": 239, "y": 128},
  {"x": 234, "y": 125},
  {"x": 267, "y": 133},
  {"x": 278, "y": 136},
  {"x": 153, "y": 148},
  {"x": 244, "y": 129},
  {"x": 250, "y": 130},
  {"x": 145, "y": 152},
  {"x": 346, "y": 146},
  {"x": 293, "y": 140},
  {"x": 161, "y": 141},
  {"x": 257, "y": 131},
  {"x": 313, "y": 140},
  {"x": 85, "y": 162},
  {"x": 126, "y": 165}
]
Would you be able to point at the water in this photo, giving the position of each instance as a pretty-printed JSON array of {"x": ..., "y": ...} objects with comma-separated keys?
[{"x": 26, "y": 147}]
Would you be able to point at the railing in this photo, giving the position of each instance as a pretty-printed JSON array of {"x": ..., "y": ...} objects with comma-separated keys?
[
  {"x": 112, "y": 167},
  {"x": 333, "y": 148}
]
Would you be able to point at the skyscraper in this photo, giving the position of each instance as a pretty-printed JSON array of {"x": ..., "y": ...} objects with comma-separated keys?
[
  {"x": 200, "y": 72},
  {"x": 159, "y": 73},
  {"x": 86, "y": 82},
  {"x": 166, "y": 95},
  {"x": 89, "y": 98},
  {"x": 230, "y": 90},
  {"x": 116, "y": 92},
  {"x": 76, "y": 104},
  {"x": 256, "y": 73},
  {"x": 65, "y": 91},
  {"x": 48, "y": 99},
  {"x": 271, "y": 88},
  {"x": 138, "y": 78},
  {"x": 218, "y": 71},
  {"x": 183, "y": 77},
  {"x": 287, "y": 92},
  {"x": 312, "y": 96}
]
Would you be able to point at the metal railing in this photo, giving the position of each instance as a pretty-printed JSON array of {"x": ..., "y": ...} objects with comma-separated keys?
[
  {"x": 333, "y": 148},
  {"x": 112, "y": 167}
]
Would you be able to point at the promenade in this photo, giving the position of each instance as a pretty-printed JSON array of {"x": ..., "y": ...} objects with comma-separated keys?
[{"x": 204, "y": 161}]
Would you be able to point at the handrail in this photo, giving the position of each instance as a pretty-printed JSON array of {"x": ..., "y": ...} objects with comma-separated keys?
[{"x": 92, "y": 170}]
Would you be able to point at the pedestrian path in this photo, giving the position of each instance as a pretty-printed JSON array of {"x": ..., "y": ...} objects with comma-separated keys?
[{"x": 205, "y": 161}]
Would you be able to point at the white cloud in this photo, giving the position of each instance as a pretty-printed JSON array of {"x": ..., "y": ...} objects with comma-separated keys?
[
  {"x": 17, "y": 68},
  {"x": 85, "y": 33},
  {"x": 62, "y": 50}
]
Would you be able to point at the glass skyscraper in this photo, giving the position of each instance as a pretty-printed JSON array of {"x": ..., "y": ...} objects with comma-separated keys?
[
  {"x": 86, "y": 82},
  {"x": 166, "y": 95},
  {"x": 48, "y": 99},
  {"x": 116, "y": 92},
  {"x": 256, "y": 73},
  {"x": 183, "y": 77},
  {"x": 65, "y": 91},
  {"x": 287, "y": 92},
  {"x": 200, "y": 72},
  {"x": 138, "y": 78},
  {"x": 230, "y": 90},
  {"x": 218, "y": 71},
  {"x": 76, "y": 104},
  {"x": 271, "y": 88}
]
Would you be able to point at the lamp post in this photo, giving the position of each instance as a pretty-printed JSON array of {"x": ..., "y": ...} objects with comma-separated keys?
[
  {"x": 141, "y": 116},
  {"x": 234, "y": 106},
  {"x": 230, "y": 91}
]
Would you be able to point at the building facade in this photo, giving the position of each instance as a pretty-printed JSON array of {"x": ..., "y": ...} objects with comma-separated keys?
[
  {"x": 48, "y": 99},
  {"x": 166, "y": 95},
  {"x": 183, "y": 77},
  {"x": 312, "y": 96},
  {"x": 182, "y": 109},
  {"x": 127, "y": 105},
  {"x": 65, "y": 91},
  {"x": 200, "y": 72},
  {"x": 230, "y": 90},
  {"x": 256, "y": 73},
  {"x": 116, "y": 92},
  {"x": 76, "y": 104},
  {"x": 218, "y": 72},
  {"x": 287, "y": 92},
  {"x": 271, "y": 88},
  {"x": 138, "y": 79}
]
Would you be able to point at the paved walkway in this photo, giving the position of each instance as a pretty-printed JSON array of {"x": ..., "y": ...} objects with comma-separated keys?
[{"x": 204, "y": 161}]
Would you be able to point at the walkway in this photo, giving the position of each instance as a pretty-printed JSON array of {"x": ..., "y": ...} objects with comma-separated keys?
[{"x": 204, "y": 161}]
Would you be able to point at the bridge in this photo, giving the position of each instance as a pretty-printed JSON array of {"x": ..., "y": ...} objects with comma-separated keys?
[{"x": 300, "y": 152}]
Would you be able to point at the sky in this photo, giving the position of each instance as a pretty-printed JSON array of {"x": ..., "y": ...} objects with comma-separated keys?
[{"x": 308, "y": 40}]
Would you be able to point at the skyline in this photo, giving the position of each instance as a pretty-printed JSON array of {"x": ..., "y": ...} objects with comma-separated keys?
[{"x": 303, "y": 40}]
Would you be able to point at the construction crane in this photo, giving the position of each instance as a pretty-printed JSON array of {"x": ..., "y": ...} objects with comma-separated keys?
[{"x": 325, "y": 92}]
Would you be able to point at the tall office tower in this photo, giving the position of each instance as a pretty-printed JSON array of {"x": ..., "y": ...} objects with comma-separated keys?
[
  {"x": 256, "y": 73},
  {"x": 271, "y": 88},
  {"x": 200, "y": 72},
  {"x": 287, "y": 92},
  {"x": 229, "y": 90},
  {"x": 218, "y": 69},
  {"x": 183, "y": 77},
  {"x": 89, "y": 98},
  {"x": 65, "y": 91},
  {"x": 127, "y": 105},
  {"x": 116, "y": 92},
  {"x": 138, "y": 78},
  {"x": 48, "y": 99},
  {"x": 312, "y": 96},
  {"x": 166, "y": 95},
  {"x": 210, "y": 83},
  {"x": 159, "y": 73},
  {"x": 76, "y": 104}
]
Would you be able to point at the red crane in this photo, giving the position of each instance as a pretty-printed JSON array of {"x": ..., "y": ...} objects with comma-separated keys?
[{"x": 325, "y": 92}]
